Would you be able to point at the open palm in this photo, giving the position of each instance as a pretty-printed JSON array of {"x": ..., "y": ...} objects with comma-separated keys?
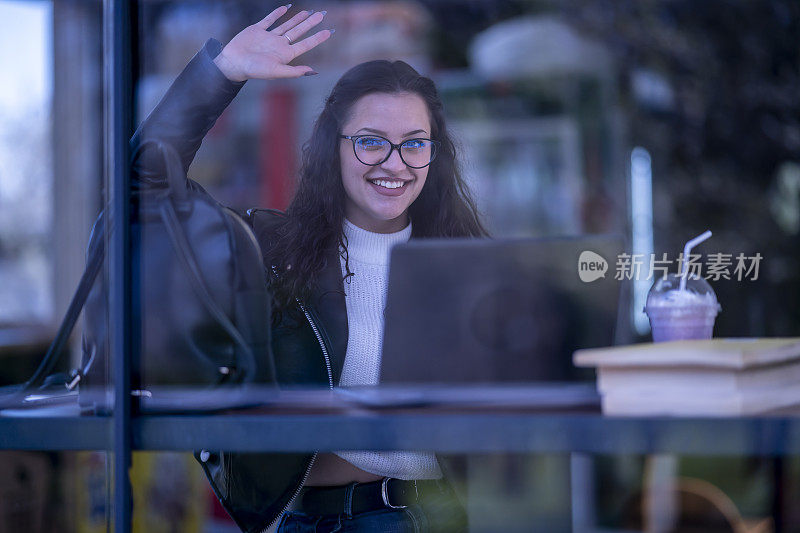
[{"x": 258, "y": 52}]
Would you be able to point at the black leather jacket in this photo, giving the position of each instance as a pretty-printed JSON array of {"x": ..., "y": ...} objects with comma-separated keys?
[{"x": 255, "y": 488}]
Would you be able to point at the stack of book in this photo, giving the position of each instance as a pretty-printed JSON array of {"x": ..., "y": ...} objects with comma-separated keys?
[{"x": 715, "y": 377}]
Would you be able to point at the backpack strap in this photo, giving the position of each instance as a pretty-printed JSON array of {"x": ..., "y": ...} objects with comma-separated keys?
[{"x": 12, "y": 395}]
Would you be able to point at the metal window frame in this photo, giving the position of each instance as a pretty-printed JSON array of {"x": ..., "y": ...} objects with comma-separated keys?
[{"x": 118, "y": 112}]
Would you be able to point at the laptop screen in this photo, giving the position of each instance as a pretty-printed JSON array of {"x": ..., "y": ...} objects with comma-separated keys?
[{"x": 484, "y": 311}]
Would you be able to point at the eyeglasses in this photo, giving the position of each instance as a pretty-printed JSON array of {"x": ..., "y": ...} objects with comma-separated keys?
[{"x": 373, "y": 150}]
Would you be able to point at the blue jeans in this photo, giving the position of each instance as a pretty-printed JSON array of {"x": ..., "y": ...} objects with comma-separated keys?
[
  {"x": 408, "y": 520},
  {"x": 439, "y": 512}
]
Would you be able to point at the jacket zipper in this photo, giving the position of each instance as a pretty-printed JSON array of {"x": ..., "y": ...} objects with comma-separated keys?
[
  {"x": 330, "y": 384},
  {"x": 321, "y": 344},
  {"x": 294, "y": 496}
]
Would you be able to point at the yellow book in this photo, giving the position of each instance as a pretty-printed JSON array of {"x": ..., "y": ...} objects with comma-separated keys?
[
  {"x": 697, "y": 378},
  {"x": 736, "y": 353}
]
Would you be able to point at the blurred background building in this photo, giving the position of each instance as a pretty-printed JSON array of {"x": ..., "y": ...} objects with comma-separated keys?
[{"x": 655, "y": 119}]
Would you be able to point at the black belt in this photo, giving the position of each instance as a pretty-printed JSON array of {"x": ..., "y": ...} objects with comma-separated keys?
[{"x": 357, "y": 498}]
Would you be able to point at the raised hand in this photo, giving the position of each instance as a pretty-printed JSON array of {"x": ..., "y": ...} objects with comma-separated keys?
[{"x": 258, "y": 52}]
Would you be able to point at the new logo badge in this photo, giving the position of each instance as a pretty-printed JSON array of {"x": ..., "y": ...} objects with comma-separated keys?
[{"x": 591, "y": 266}]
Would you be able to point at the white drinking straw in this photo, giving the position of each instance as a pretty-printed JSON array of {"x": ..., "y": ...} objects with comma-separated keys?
[{"x": 688, "y": 248}]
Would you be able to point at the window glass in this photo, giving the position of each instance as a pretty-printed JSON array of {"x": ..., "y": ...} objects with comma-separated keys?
[{"x": 26, "y": 172}]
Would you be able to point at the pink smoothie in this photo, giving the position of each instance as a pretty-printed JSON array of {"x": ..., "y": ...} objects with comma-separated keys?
[{"x": 681, "y": 315}]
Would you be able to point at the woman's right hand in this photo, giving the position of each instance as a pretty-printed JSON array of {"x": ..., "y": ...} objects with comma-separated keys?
[{"x": 258, "y": 52}]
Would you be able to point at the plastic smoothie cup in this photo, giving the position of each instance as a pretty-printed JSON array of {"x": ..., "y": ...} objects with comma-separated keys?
[{"x": 681, "y": 313}]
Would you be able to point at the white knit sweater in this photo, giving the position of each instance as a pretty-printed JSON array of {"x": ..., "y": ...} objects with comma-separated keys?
[{"x": 365, "y": 293}]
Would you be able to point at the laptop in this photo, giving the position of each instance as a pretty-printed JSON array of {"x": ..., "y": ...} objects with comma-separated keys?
[{"x": 471, "y": 311}]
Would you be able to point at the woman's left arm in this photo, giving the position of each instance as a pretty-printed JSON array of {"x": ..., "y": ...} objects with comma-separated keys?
[{"x": 213, "y": 78}]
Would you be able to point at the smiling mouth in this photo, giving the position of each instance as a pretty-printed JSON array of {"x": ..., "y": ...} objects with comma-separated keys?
[{"x": 388, "y": 184}]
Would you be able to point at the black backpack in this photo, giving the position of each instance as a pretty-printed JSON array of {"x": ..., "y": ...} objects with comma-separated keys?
[{"x": 201, "y": 309}]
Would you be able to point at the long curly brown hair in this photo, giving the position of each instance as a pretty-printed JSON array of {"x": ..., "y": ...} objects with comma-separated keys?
[{"x": 314, "y": 218}]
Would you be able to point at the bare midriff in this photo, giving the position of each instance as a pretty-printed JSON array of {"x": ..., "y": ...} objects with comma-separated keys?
[{"x": 329, "y": 470}]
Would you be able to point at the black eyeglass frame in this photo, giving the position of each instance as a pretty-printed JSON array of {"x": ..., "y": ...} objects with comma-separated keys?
[{"x": 397, "y": 147}]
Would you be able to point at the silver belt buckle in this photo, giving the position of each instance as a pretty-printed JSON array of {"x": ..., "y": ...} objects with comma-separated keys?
[{"x": 385, "y": 496}]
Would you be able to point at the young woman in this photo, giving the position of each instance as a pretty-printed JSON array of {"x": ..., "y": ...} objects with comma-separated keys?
[{"x": 379, "y": 168}]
